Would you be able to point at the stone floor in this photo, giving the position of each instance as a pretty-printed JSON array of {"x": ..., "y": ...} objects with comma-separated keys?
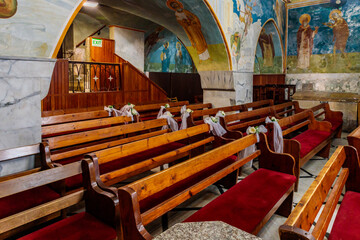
[{"x": 270, "y": 231}]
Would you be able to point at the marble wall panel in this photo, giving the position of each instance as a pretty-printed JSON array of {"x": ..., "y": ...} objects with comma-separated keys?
[{"x": 23, "y": 83}]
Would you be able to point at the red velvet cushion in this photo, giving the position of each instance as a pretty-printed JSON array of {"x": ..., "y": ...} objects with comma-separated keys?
[
  {"x": 25, "y": 200},
  {"x": 347, "y": 221},
  {"x": 76, "y": 181},
  {"x": 80, "y": 226},
  {"x": 248, "y": 202},
  {"x": 334, "y": 123},
  {"x": 161, "y": 196},
  {"x": 310, "y": 139}
]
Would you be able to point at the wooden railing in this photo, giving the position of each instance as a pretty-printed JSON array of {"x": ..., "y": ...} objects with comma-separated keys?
[{"x": 134, "y": 86}]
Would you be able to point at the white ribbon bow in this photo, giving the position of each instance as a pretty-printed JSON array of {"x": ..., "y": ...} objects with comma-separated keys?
[
  {"x": 215, "y": 128},
  {"x": 184, "y": 115},
  {"x": 170, "y": 120},
  {"x": 110, "y": 110},
  {"x": 278, "y": 136},
  {"x": 251, "y": 149},
  {"x": 129, "y": 111},
  {"x": 161, "y": 112}
]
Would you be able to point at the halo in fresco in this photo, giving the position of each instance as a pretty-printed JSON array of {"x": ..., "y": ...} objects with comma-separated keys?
[{"x": 8, "y": 8}]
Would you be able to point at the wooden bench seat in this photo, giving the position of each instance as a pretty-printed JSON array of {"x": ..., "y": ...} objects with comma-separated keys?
[
  {"x": 74, "y": 117},
  {"x": 100, "y": 218},
  {"x": 341, "y": 170},
  {"x": 150, "y": 111},
  {"x": 315, "y": 140},
  {"x": 147, "y": 199}
]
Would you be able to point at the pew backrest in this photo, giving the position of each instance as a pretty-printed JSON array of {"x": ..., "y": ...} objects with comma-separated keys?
[
  {"x": 354, "y": 139},
  {"x": 300, "y": 221},
  {"x": 258, "y": 104},
  {"x": 74, "y": 117},
  {"x": 65, "y": 128}
]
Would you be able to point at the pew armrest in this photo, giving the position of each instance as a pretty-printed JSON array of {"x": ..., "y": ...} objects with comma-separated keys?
[
  {"x": 320, "y": 125},
  {"x": 280, "y": 162},
  {"x": 100, "y": 201},
  {"x": 334, "y": 115}
]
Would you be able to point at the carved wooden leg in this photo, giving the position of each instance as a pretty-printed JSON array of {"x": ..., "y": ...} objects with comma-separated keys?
[
  {"x": 325, "y": 152},
  {"x": 286, "y": 207}
]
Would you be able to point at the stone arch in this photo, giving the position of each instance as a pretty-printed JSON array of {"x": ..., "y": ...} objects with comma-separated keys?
[{"x": 206, "y": 43}]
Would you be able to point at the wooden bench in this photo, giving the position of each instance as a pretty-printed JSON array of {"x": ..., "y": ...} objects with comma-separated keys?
[
  {"x": 119, "y": 163},
  {"x": 99, "y": 221},
  {"x": 258, "y": 104},
  {"x": 287, "y": 109},
  {"x": 354, "y": 139},
  {"x": 68, "y": 148},
  {"x": 73, "y": 127},
  {"x": 74, "y": 117},
  {"x": 334, "y": 117},
  {"x": 316, "y": 140},
  {"x": 147, "y": 199},
  {"x": 150, "y": 111},
  {"x": 343, "y": 167}
]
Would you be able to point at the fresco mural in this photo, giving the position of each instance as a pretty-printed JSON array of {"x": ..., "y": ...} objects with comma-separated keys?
[
  {"x": 8, "y": 8},
  {"x": 165, "y": 53},
  {"x": 248, "y": 19},
  {"x": 268, "y": 59},
  {"x": 323, "y": 38}
]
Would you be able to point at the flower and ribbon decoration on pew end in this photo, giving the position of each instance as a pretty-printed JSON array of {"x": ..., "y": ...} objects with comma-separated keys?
[
  {"x": 129, "y": 111},
  {"x": 162, "y": 108},
  {"x": 215, "y": 126},
  {"x": 278, "y": 135},
  {"x": 185, "y": 113},
  {"x": 251, "y": 149},
  {"x": 170, "y": 120}
]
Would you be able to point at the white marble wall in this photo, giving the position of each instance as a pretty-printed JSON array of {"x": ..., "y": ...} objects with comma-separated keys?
[{"x": 23, "y": 83}]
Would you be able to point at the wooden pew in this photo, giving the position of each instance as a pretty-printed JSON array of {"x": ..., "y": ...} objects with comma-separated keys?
[
  {"x": 101, "y": 206},
  {"x": 316, "y": 140},
  {"x": 150, "y": 111},
  {"x": 74, "y": 117},
  {"x": 258, "y": 104},
  {"x": 341, "y": 170},
  {"x": 131, "y": 159},
  {"x": 73, "y": 127},
  {"x": 354, "y": 139},
  {"x": 241, "y": 121},
  {"x": 323, "y": 112},
  {"x": 147, "y": 199},
  {"x": 287, "y": 109},
  {"x": 68, "y": 148}
]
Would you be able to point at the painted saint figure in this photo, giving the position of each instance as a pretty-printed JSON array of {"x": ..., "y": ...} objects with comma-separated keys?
[
  {"x": 192, "y": 26},
  {"x": 235, "y": 43},
  {"x": 178, "y": 58},
  {"x": 305, "y": 41},
  {"x": 8, "y": 8},
  {"x": 267, "y": 48},
  {"x": 165, "y": 58},
  {"x": 340, "y": 31}
]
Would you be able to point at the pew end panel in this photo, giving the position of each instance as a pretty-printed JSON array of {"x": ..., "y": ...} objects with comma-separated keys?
[
  {"x": 299, "y": 223},
  {"x": 354, "y": 139}
]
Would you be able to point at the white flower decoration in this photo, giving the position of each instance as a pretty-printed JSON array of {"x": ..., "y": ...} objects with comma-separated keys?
[
  {"x": 252, "y": 130},
  {"x": 214, "y": 119},
  {"x": 189, "y": 110},
  {"x": 167, "y": 105},
  {"x": 222, "y": 113},
  {"x": 274, "y": 119},
  {"x": 131, "y": 105}
]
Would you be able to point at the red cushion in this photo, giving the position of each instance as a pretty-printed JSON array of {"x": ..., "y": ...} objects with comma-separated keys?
[
  {"x": 246, "y": 204},
  {"x": 310, "y": 139},
  {"x": 347, "y": 221},
  {"x": 161, "y": 196},
  {"x": 76, "y": 181},
  {"x": 80, "y": 226},
  {"x": 334, "y": 123},
  {"x": 25, "y": 200}
]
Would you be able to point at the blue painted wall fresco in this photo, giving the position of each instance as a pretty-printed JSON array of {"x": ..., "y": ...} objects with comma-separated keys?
[
  {"x": 327, "y": 38},
  {"x": 165, "y": 53}
]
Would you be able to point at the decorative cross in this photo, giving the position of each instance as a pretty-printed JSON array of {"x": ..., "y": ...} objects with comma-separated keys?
[
  {"x": 110, "y": 78},
  {"x": 95, "y": 78},
  {"x": 79, "y": 78}
]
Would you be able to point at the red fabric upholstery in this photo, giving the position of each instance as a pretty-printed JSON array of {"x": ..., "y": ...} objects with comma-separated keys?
[
  {"x": 248, "y": 202},
  {"x": 78, "y": 227},
  {"x": 310, "y": 139},
  {"x": 334, "y": 124},
  {"x": 161, "y": 196},
  {"x": 25, "y": 200},
  {"x": 76, "y": 181},
  {"x": 347, "y": 221}
]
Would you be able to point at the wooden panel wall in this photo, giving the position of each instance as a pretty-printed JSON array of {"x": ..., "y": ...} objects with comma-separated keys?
[
  {"x": 135, "y": 88},
  {"x": 265, "y": 79},
  {"x": 105, "y": 54}
]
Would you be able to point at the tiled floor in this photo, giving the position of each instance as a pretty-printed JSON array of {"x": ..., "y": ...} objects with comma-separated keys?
[{"x": 270, "y": 230}]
